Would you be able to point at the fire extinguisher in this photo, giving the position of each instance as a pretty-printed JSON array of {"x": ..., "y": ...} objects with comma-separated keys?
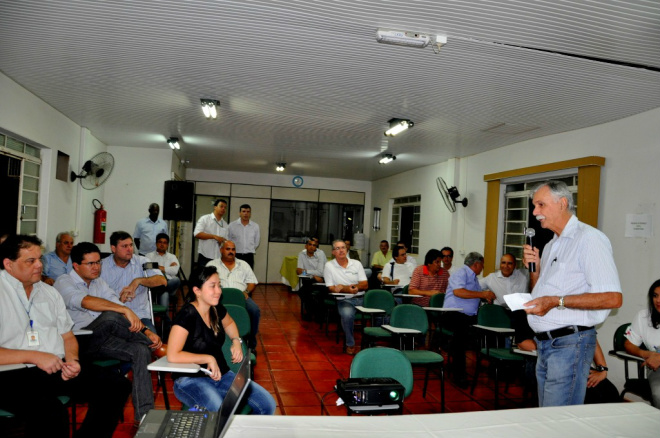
[{"x": 100, "y": 217}]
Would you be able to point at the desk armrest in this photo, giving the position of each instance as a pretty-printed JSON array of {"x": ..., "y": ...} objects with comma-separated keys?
[
  {"x": 625, "y": 355},
  {"x": 369, "y": 309},
  {"x": 400, "y": 330},
  {"x": 163, "y": 364},
  {"x": 494, "y": 329}
]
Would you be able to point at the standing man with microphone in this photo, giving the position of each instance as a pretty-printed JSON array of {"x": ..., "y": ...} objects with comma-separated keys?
[{"x": 573, "y": 289}]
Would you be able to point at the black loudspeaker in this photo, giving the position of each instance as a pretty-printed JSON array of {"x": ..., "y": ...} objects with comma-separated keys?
[{"x": 178, "y": 201}]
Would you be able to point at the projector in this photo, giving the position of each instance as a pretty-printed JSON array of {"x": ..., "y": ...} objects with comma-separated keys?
[
  {"x": 402, "y": 38},
  {"x": 372, "y": 391}
]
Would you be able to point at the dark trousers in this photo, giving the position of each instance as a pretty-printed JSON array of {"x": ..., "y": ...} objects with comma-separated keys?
[
  {"x": 112, "y": 340},
  {"x": 247, "y": 257},
  {"x": 31, "y": 394},
  {"x": 460, "y": 324}
]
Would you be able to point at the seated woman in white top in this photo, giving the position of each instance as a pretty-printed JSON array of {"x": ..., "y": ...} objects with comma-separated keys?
[{"x": 645, "y": 329}]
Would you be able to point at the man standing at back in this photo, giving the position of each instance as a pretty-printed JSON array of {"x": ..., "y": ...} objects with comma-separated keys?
[
  {"x": 58, "y": 262},
  {"x": 36, "y": 329},
  {"x": 245, "y": 234},
  {"x": 124, "y": 273},
  {"x": 146, "y": 230},
  {"x": 574, "y": 286},
  {"x": 211, "y": 230}
]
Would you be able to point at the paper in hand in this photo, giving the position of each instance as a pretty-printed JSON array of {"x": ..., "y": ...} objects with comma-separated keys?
[{"x": 516, "y": 301}]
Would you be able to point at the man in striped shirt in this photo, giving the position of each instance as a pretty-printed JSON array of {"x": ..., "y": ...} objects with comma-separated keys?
[{"x": 573, "y": 289}]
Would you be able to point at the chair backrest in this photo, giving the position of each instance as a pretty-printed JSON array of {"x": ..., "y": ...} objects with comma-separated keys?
[
  {"x": 383, "y": 362},
  {"x": 619, "y": 338},
  {"x": 241, "y": 318},
  {"x": 492, "y": 315},
  {"x": 379, "y": 299},
  {"x": 231, "y": 295},
  {"x": 437, "y": 300},
  {"x": 410, "y": 316},
  {"x": 404, "y": 290}
]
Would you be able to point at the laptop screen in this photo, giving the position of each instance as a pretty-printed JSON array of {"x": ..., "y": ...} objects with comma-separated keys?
[{"x": 233, "y": 397}]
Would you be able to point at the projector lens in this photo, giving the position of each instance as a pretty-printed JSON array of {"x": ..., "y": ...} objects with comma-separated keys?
[{"x": 394, "y": 395}]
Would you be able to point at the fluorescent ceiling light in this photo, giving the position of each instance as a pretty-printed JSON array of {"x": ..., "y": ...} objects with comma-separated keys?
[
  {"x": 386, "y": 158},
  {"x": 397, "y": 126},
  {"x": 173, "y": 142},
  {"x": 402, "y": 38},
  {"x": 209, "y": 107},
  {"x": 280, "y": 167}
]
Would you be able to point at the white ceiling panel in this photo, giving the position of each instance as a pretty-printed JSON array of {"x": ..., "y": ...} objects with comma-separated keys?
[{"x": 306, "y": 83}]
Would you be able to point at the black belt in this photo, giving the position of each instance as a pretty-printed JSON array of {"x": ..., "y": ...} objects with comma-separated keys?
[{"x": 565, "y": 331}]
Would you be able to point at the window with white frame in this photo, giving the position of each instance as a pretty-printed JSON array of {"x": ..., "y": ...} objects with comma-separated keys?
[
  {"x": 406, "y": 214},
  {"x": 20, "y": 166}
]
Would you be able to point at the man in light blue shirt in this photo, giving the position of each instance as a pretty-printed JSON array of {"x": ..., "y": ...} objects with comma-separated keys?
[
  {"x": 124, "y": 273},
  {"x": 464, "y": 292},
  {"x": 146, "y": 230},
  {"x": 58, "y": 262},
  {"x": 117, "y": 332}
]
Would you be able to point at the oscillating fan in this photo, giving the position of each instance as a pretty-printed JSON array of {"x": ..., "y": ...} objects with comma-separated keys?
[
  {"x": 450, "y": 195},
  {"x": 95, "y": 171}
]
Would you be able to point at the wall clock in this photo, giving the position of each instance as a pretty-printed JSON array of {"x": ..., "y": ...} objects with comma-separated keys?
[{"x": 297, "y": 181}]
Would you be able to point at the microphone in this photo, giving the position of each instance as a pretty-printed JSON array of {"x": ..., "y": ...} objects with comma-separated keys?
[{"x": 530, "y": 232}]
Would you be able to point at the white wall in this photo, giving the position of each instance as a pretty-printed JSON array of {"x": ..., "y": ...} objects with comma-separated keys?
[
  {"x": 631, "y": 149},
  {"x": 26, "y": 116},
  {"x": 137, "y": 180}
]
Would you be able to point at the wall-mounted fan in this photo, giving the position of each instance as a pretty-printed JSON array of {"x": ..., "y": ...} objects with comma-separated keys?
[
  {"x": 95, "y": 171},
  {"x": 450, "y": 195}
]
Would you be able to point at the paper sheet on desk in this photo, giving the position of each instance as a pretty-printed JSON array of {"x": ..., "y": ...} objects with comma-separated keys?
[{"x": 516, "y": 301}]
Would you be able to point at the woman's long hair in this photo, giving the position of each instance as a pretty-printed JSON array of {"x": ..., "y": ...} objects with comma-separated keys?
[
  {"x": 197, "y": 279},
  {"x": 655, "y": 315}
]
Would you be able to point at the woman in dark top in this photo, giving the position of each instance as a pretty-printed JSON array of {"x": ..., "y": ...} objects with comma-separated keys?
[{"x": 197, "y": 335}]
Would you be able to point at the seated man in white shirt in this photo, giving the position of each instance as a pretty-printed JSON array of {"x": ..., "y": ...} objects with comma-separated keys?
[
  {"x": 236, "y": 273},
  {"x": 312, "y": 265},
  {"x": 168, "y": 265},
  {"x": 508, "y": 280},
  {"x": 343, "y": 275},
  {"x": 398, "y": 272},
  {"x": 409, "y": 259}
]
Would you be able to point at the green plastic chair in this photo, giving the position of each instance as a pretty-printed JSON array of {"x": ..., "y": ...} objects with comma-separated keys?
[
  {"x": 414, "y": 317},
  {"x": 242, "y": 319},
  {"x": 639, "y": 386},
  {"x": 383, "y": 362},
  {"x": 435, "y": 320},
  {"x": 231, "y": 295},
  {"x": 377, "y": 299},
  {"x": 492, "y": 315}
]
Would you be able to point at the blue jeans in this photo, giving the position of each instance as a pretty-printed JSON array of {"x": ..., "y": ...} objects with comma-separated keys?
[
  {"x": 208, "y": 393},
  {"x": 346, "y": 310},
  {"x": 562, "y": 368},
  {"x": 255, "y": 315},
  {"x": 170, "y": 291}
]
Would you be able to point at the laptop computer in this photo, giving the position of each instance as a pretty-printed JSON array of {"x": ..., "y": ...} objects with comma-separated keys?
[{"x": 162, "y": 424}]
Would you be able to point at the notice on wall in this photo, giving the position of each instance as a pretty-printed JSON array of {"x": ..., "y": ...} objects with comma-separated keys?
[{"x": 639, "y": 225}]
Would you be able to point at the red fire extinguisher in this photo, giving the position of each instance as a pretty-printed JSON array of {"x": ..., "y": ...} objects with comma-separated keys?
[{"x": 100, "y": 217}]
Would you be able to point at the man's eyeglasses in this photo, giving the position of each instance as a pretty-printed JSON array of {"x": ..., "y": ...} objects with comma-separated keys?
[
  {"x": 92, "y": 263},
  {"x": 444, "y": 256}
]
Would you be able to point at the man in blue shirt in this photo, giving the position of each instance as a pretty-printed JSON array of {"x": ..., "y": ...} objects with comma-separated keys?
[
  {"x": 147, "y": 229},
  {"x": 58, "y": 262},
  {"x": 464, "y": 292},
  {"x": 118, "y": 332},
  {"x": 124, "y": 273}
]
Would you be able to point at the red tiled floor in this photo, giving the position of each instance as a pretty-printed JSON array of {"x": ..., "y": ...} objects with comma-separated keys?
[{"x": 299, "y": 364}]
